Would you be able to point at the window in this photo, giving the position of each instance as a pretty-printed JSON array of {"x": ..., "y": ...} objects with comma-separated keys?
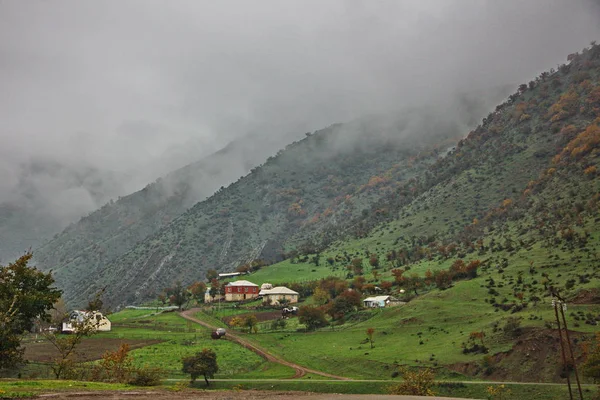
[{"x": 246, "y": 289}]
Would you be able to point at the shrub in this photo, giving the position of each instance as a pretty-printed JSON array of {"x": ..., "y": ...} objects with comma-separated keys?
[
  {"x": 512, "y": 327},
  {"x": 417, "y": 383},
  {"x": 146, "y": 376}
]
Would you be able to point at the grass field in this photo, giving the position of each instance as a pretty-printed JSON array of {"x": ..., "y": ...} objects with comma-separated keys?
[
  {"x": 32, "y": 388},
  {"x": 168, "y": 338}
]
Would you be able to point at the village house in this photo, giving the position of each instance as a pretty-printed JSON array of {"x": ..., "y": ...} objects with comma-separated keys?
[
  {"x": 381, "y": 301},
  {"x": 94, "y": 318},
  {"x": 278, "y": 295},
  {"x": 209, "y": 299},
  {"x": 240, "y": 290}
]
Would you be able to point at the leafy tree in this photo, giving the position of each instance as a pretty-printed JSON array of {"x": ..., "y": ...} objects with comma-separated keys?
[
  {"x": 250, "y": 322},
  {"x": 321, "y": 296},
  {"x": 25, "y": 294},
  {"x": 215, "y": 288},
  {"x": 443, "y": 279},
  {"x": 374, "y": 261},
  {"x": 312, "y": 317},
  {"x": 211, "y": 274},
  {"x": 203, "y": 363},
  {"x": 178, "y": 295},
  {"x": 197, "y": 290}
]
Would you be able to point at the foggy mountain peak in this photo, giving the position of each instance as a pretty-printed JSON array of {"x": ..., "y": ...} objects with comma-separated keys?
[{"x": 129, "y": 91}]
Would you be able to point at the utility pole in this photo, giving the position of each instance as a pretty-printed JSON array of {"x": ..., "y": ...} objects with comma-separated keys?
[
  {"x": 562, "y": 348},
  {"x": 560, "y": 305}
]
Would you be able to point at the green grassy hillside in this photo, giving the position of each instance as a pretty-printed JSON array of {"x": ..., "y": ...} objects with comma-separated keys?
[
  {"x": 520, "y": 196},
  {"x": 333, "y": 173}
]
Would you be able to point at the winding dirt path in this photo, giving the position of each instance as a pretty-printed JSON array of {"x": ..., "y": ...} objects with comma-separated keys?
[{"x": 300, "y": 370}]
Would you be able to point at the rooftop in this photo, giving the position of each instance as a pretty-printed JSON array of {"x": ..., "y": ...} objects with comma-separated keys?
[
  {"x": 241, "y": 283},
  {"x": 277, "y": 290}
]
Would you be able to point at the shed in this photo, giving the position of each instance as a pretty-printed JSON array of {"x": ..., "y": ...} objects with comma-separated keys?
[{"x": 381, "y": 301}]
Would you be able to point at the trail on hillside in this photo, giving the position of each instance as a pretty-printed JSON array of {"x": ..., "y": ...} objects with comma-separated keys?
[{"x": 300, "y": 370}]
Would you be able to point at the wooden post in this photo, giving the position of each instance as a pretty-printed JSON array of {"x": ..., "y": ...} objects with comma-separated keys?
[
  {"x": 562, "y": 312},
  {"x": 562, "y": 348}
]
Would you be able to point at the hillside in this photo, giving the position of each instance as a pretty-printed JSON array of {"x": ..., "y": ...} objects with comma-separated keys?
[
  {"x": 107, "y": 233},
  {"x": 518, "y": 199},
  {"x": 339, "y": 170}
]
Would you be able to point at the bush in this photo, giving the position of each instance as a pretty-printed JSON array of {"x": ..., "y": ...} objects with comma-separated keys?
[
  {"x": 417, "y": 383},
  {"x": 146, "y": 376},
  {"x": 512, "y": 327}
]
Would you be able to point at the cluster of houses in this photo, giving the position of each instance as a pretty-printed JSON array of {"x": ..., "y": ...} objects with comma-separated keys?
[
  {"x": 245, "y": 290},
  {"x": 280, "y": 295}
]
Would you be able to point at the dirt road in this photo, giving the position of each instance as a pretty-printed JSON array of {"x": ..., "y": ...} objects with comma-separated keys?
[{"x": 300, "y": 370}]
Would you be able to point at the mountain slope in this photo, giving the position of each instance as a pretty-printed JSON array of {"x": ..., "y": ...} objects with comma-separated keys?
[
  {"x": 344, "y": 167},
  {"x": 110, "y": 231}
]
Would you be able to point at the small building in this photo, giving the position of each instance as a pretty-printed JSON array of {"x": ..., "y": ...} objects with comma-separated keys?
[
  {"x": 226, "y": 275},
  {"x": 381, "y": 301},
  {"x": 90, "y": 318},
  {"x": 209, "y": 299},
  {"x": 275, "y": 295},
  {"x": 240, "y": 290}
]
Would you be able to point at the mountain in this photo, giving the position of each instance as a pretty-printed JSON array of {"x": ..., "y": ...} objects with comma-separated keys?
[
  {"x": 46, "y": 196},
  {"x": 337, "y": 171},
  {"x": 110, "y": 231}
]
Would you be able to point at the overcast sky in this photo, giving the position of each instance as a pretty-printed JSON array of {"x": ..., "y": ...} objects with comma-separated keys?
[{"x": 127, "y": 84}]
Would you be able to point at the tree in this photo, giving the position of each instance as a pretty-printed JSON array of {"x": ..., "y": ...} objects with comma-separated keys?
[
  {"x": 215, "y": 288},
  {"x": 321, "y": 296},
  {"x": 312, "y": 317},
  {"x": 197, "y": 290},
  {"x": 202, "y": 363},
  {"x": 211, "y": 274},
  {"x": 178, "y": 295},
  {"x": 25, "y": 294},
  {"x": 370, "y": 333},
  {"x": 250, "y": 322}
]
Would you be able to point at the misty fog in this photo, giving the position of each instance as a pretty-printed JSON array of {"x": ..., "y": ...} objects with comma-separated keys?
[{"x": 100, "y": 98}]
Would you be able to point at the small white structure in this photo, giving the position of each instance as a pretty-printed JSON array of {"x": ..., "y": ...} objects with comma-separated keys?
[
  {"x": 275, "y": 295},
  {"x": 226, "y": 275},
  {"x": 266, "y": 286},
  {"x": 381, "y": 301},
  {"x": 86, "y": 318}
]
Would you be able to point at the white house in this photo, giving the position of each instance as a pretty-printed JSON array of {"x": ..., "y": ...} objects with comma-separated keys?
[
  {"x": 381, "y": 301},
  {"x": 274, "y": 295},
  {"x": 89, "y": 318}
]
